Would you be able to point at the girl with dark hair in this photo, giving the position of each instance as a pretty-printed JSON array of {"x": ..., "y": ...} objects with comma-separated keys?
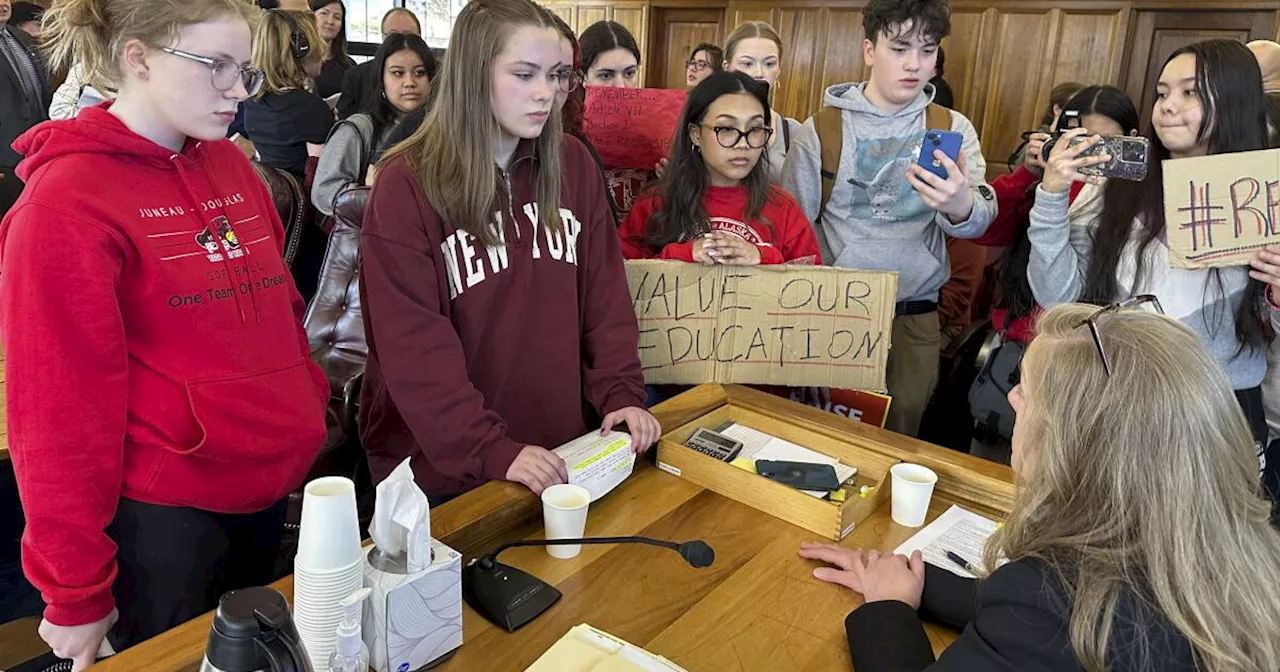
[
  {"x": 406, "y": 64},
  {"x": 610, "y": 56},
  {"x": 496, "y": 302},
  {"x": 1208, "y": 101},
  {"x": 331, "y": 22},
  {"x": 705, "y": 59},
  {"x": 1102, "y": 110},
  {"x": 714, "y": 203}
]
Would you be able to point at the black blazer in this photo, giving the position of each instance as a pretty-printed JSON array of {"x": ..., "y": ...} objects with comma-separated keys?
[
  {"x": 355, "y": 89},
  {"x": 1014, "y": 621},
  {"x": 17, "y": 114}
]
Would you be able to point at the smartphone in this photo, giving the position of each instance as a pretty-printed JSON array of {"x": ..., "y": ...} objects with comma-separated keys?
[
  {"x": 802, "y": 475},
  {"x": 1128, "y": 157},
  {"x": 947, "y": 141}
]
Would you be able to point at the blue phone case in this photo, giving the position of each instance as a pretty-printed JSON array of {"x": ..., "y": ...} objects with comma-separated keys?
[{"x": 947, "y": 141}]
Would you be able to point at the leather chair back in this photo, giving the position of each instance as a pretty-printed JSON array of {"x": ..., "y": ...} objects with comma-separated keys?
[{"x": 291, "y": 205}]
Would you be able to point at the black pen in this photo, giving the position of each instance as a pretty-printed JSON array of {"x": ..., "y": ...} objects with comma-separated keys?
[{"x": 961, "y": 561}]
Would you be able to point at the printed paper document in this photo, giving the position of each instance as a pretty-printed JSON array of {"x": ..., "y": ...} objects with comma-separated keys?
[
  {"x": 962, "y": 532},
  {"x": 586, "y": 649},
  {"x": 598, "y": 463}
]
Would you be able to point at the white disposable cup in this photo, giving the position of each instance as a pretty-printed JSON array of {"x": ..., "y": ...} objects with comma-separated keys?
[
  {"x": 329, "y": 533},
  {"x": 564, "y": 516},
  {"x": 912, "y": 489}
]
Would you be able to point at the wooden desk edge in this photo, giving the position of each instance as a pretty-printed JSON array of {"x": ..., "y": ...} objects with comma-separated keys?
[{"x": 479, "y": 520}]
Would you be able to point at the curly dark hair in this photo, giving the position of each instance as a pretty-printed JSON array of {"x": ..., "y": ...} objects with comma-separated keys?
[{"x": 931, "y": 19}]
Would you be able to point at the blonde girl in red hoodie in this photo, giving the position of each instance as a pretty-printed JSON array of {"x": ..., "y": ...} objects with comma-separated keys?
[{"x": 160, "y": 397}]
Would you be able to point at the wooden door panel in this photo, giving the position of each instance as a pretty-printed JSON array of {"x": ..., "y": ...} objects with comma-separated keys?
[
  {"x": 632, "y": 15},
  {"x": 1013, "y": 81},
  {"x": 963, "y": 51},
  {"x": 568, "y": 13},
  {"x": 1157, "y": 34},
  {"x": 590, "y": 14},
  {"x": 741, "y": 12},
  {"x": 804, "y": 41},
  {"x": 843, "y": 61},
  {"x": 675, "y": 33}
]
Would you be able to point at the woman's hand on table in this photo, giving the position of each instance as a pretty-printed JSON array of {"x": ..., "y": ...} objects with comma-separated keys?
[
  {"x": 538, "y": 469},
  {"x": 644, "y": 428},
  {"x": 79, "y": 643},
  {"x": 877, "y": 576}
]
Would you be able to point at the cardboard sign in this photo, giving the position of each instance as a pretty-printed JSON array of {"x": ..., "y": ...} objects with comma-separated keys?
[
  {"x": 631, "y": 128},
  {"x": 768, "y": 325},
  {"x": 858, "y": 405},
  {"x": 1219, "y": 210}
]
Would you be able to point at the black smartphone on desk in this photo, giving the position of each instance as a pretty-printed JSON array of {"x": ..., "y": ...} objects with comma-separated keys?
[{"x": 800, "y": 475}]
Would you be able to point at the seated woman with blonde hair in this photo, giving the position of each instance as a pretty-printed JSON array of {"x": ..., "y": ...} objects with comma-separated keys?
[{"x": 1138, "y": 537}]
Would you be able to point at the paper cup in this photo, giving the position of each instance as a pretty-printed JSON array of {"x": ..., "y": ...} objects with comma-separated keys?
[
  {"x": 564, "y": 516},
  {"x": 912, "y": 489},
  {"x": 329, "y": 533}
]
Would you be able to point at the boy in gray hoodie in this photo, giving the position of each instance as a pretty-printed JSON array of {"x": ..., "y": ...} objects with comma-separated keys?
[{"x": 884, "y": 211}]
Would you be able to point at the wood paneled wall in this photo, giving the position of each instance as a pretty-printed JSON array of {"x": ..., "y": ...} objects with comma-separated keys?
[{"x": 1003, "y": 56}]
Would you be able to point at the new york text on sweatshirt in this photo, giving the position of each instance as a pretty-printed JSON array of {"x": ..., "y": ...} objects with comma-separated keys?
[
  {"x": 475, "y": 351},
  {"x": 152, "y": 345}
]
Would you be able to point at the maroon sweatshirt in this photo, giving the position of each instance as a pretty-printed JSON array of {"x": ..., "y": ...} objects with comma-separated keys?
[{"x": 476, "y": 352}]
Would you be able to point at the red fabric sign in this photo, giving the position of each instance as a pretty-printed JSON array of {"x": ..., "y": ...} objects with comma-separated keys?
[{"x": 631, "y": 128}]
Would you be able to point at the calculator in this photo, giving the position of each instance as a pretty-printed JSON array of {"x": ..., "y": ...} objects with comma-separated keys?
[{"x": 714, "y": 444}]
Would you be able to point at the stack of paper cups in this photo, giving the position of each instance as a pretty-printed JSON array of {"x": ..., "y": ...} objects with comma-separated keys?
[{"x": 328, "y": 566}]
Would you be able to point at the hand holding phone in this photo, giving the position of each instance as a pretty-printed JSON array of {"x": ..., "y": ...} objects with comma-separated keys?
[
  {"x": 947, "y": 142},
  {"x": 941, "y": 177}
]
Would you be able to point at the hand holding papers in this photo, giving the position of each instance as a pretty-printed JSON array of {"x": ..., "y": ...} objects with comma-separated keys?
[{"x": 598, "y": 463}]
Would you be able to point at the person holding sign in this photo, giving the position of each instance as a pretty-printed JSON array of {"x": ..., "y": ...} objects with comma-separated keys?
[
  {"x": 496, "y": 301},
  {"x": 715, "y": 204},
  {"x": 1137, "y": 539},
  {"x": 754, "y": 48},
  {"x": 1111, "y": 243}
]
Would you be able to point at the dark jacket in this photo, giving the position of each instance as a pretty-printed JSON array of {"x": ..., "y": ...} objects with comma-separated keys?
[
  {"x": 1014, "y": 621},
  {"x": 355, "y": 89},
  {"x": 17, "y": 114}
]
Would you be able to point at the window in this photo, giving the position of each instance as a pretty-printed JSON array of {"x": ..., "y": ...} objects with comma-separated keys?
[
  {"x": 364, "y": 21},
  {"x": 437, "y": 17}
]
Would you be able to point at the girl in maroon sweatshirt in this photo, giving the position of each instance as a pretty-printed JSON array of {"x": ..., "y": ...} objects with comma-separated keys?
[
  {"x": 495, "y": 299},
  {"x": 160, "y": 397},
  {"x": 715, "y": 204}
]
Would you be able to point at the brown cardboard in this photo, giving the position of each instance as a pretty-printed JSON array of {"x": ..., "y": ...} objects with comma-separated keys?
[
  {"x": 768, "y": 325},
  {"x": 1220, "y": 209}
]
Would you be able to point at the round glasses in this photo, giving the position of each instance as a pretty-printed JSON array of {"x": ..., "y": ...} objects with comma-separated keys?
[
  {"x": 566, "y": 80},
  {"x": 224, "y": 74},
  {"x": 697, "y": 65},
  {"x": 729, "y": 137}
]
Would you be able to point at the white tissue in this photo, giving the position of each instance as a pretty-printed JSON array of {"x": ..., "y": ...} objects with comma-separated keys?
[{"x": 402, "y": 519}]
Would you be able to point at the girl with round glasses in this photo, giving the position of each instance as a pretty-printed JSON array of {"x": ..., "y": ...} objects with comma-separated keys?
[
  {"x": 714, "y": 203},
  {"x": 145, "y": 260}
]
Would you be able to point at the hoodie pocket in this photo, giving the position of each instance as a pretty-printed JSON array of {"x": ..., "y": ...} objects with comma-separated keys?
[
  {"x": 919, "y": 270},
  {"x": 262, "y": 418}
]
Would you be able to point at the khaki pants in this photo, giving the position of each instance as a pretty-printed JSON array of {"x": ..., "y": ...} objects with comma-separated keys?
[{"x": 912, "y": 369}]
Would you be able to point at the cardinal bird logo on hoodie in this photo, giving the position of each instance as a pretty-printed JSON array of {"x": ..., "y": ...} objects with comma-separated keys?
[{"x": 225, "y": 240}]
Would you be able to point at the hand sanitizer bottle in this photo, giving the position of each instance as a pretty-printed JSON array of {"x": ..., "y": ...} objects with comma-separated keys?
[{"x": 351, "y": 654}]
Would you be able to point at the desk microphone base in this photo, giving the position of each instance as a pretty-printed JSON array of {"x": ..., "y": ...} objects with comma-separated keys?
[{"x": 506, "y": 596}]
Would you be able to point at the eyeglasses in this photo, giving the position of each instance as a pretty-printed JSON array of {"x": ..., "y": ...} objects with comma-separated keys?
[
  {"x": 224, "y": 74},
  {"x": 1092, "y": 321},
  {"x": 728, "y": 136},
  {"x": 566, "y": 80},
  {"x": 698, "y": 65}
]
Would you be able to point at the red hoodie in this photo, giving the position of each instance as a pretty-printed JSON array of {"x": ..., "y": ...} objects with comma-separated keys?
[
  {"x": 152, "y": 347},
  {"x": 787, "y": 238},
  {"x": 476, "y": 352}
]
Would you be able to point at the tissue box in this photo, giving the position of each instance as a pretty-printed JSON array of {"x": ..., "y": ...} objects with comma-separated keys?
[{"x": 413, "y": 619}]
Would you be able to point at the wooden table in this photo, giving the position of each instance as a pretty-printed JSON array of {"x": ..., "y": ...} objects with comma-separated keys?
[{"x": 756, "y": 609}]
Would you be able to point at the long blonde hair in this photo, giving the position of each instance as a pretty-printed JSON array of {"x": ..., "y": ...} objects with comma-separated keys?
[
  {"x": 452, "y": 151},
  {"x": 93, "y": 32},
  {"x": 1145, "y": 482},
  {"x": 273, "y": 45}
]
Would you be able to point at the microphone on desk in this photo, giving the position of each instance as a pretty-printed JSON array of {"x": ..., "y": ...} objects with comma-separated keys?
[{"x": 510, "y": 598}]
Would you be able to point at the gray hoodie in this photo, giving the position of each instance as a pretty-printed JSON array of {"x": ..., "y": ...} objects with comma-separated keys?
[{"x": 875, "y": 220}]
